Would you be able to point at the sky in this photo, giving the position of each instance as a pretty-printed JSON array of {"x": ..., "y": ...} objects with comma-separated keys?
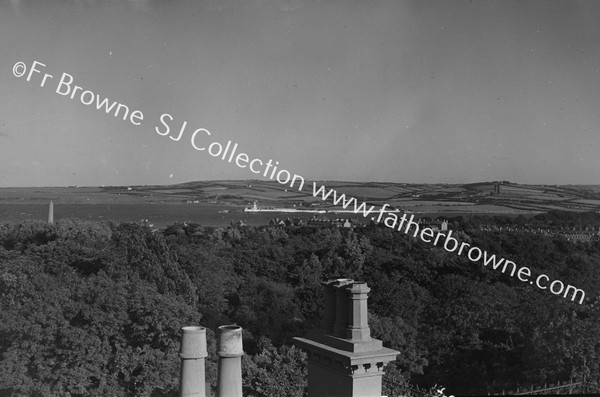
[{"x": 423, "y": 91}]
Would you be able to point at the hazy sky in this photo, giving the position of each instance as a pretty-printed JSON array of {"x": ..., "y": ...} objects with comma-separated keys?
[{"x": 402, "y": 91}]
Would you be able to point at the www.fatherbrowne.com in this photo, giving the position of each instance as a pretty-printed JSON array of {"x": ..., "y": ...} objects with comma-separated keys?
[{"x": 450, "y": 244}]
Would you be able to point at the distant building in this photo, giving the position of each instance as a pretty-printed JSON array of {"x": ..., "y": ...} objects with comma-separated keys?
[
  {"x": 286, "y": 222},
  {"x": 497, "y": 189},
  {"x": 581, "y": 235},
  {"x": 338, "y": 222},
  {"x": 587, "y": 234},
  {"x": 437, "y": 225}
]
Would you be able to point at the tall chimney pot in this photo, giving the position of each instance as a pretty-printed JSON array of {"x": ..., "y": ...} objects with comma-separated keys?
[
  {"x": 193, "y": 353},
  {"x": 230, "y": 351}
]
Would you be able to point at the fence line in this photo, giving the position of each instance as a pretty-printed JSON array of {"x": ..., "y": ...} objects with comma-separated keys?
[
  {"x": 396, "y": 388},
  {"x": 566, "y": 388}
]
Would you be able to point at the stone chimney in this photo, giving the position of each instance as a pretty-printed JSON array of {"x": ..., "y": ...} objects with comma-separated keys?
[
  {"x": 230, "y": 351},
  {"x": 193, "y": 354},
  {"x": 343, "y": 359}
]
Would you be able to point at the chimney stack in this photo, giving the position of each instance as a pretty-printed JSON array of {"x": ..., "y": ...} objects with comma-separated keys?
[
  {"x": 230, "y": 351},
  {"x": 329, "y": 300},
  {"x": 193, "y": 354},
  {"x": 343, "y": 359},
  {"x": 341, "y": 306},
  {"x": 358, "y": 324}
]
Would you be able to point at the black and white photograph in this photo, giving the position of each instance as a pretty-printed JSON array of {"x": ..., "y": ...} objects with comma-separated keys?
[{"x": 299, "y": 198}]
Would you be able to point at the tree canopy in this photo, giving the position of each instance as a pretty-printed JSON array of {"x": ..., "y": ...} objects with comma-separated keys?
[{"x": 95, "y": 309}]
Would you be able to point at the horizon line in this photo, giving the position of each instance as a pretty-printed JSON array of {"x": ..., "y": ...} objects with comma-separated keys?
[{"x": 315, "y": 180}]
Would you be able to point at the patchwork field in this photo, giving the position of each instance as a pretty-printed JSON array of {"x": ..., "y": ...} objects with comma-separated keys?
[{"x": 219, "y": 203}]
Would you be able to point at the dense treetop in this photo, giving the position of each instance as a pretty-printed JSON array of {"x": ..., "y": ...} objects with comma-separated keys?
[{"x": 95, "y": 309}]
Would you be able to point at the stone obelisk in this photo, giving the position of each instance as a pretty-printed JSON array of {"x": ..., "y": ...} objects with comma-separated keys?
[{"x": 51, "y": 213}]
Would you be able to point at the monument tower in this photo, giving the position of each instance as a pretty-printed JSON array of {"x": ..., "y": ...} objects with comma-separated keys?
[{"x": 51, "y": 213}]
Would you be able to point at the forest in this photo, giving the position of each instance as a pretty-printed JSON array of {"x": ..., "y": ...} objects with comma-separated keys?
[{"x": 96, "y": 309}]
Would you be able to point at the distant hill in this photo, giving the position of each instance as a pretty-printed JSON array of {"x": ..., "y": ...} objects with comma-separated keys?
[
  {"x": 482, "y": 197},
  {"x": 232, "y": 196}
]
